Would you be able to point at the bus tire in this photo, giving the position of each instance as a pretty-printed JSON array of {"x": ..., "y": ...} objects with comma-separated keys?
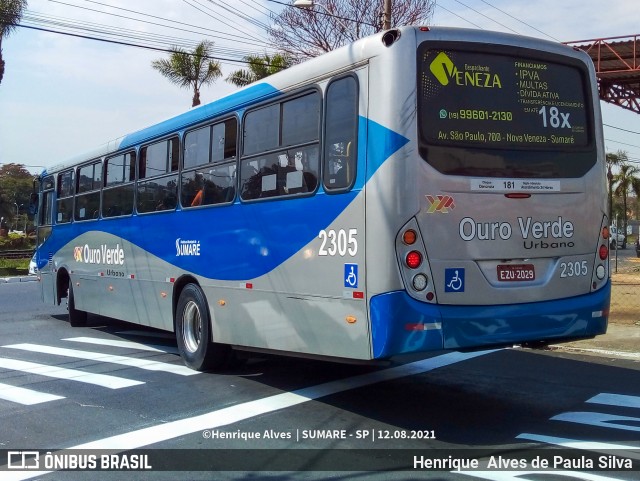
[
  {"x": 76, "y": 318},
  {"x": 193, "y": 332}
]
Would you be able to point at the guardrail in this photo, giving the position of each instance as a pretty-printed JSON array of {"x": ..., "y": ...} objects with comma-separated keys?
[{"x": 17, "y": 254}]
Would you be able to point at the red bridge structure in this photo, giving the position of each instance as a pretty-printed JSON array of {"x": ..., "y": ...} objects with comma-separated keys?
[{"x": 617, "y": 62}]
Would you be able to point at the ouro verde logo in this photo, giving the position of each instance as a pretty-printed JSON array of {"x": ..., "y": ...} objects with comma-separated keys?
[{"x": 445, "y": 71}]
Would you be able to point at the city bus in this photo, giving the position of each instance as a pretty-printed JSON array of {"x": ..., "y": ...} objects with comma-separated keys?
[{"x": 420, "y": 189}]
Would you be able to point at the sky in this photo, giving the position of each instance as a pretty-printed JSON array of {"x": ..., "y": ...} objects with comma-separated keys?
[{"x": 63, "y": 95}]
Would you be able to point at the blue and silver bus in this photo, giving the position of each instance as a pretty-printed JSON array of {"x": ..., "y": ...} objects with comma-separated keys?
[{"x": 419, "y": 189}]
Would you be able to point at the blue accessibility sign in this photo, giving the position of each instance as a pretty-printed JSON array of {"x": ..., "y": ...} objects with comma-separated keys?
[
  {"x": 351, "y": 276},
  {"x": 454, "y": 280}
]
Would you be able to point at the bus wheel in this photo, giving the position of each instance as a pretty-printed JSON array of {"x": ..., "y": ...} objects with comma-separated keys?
[
  {"x": 76, "y": 318},
  {"x": 193, "y": 332}
]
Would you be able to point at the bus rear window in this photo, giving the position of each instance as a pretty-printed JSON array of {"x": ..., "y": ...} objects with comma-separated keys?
[{"x": 496, "y": 111}]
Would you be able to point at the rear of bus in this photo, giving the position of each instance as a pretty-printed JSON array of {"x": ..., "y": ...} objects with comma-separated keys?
[{"x": 509, "y": 244}]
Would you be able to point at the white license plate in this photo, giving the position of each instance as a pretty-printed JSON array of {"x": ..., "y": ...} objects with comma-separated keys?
[{"x": 516, "y": 272}]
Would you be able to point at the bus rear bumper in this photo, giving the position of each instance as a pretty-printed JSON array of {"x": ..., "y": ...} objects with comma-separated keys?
[{"x": 400, "y": 324}]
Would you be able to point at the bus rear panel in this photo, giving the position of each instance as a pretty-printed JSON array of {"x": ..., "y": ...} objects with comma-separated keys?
[{"x": 509, "y": 243}]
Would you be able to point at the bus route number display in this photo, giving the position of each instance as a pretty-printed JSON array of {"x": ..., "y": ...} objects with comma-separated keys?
[{"x": 500, "y": 101}]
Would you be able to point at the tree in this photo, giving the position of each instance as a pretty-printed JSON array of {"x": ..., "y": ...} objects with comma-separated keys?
[
  {"x": 614, "y": 161},
  {"x": 626, "y": 181},
  {"x": 16, "y": 185},
  {"x": 305, "y": 33},
  {"x": 190, "y": 69},
  {"x": 259, "y": 68},
  {"x": 10, "y": 15}
]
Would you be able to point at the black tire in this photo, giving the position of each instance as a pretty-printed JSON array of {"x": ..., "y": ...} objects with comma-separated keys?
[
  {"x": 76, "y": 318},
  {"x": 193, "y": 332}
]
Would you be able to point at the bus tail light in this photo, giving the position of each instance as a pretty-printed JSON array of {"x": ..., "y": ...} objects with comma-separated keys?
[
  {"x": 413, "y": 259},
  {"x": 414, "y": 263},
  {"x": 601, "y": 265},
  {"x": 603, "y": 252},
  {"x": 409, "y": 237},
  {"x": 420, "y": 282}
]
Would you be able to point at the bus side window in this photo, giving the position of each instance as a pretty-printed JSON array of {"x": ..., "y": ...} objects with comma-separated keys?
[
  {"x": 45, "y": 213},
  {"x": 196, "y": 147},
  {"x": 341, "y": 130},
  {"x": 209, "y": 185},
  {"x": 88, "y": 184},
  {"x": 161, "y": 192},
  {"x": 158, "y": 194},
  {"x": 213, "y": 150},
  {"x": 286, "y": 165},
  {"x": 64, "y": 204},
  {"x": 223, "y": 145},
  {"x": 47, "y": 208},
  {"x": 261, "y": 130},
  {"x": 117, "y": 195}
]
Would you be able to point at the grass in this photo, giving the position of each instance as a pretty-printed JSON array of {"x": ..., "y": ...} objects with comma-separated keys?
[{"x": 14, "y": 267}]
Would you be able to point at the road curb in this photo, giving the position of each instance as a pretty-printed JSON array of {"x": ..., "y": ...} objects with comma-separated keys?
[{"x": 602, "y": 352}]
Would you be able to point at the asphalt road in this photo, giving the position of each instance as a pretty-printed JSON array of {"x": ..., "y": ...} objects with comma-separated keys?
[{"x": 115, "y": 386}]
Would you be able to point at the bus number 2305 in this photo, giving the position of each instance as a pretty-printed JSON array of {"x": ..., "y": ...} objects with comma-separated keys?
[
  {"x": 574, "y": 269},
  {"x": 340, "y": 242}
]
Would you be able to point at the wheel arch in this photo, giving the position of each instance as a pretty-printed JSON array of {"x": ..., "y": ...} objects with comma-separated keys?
[{"x": 63, "y": 279}]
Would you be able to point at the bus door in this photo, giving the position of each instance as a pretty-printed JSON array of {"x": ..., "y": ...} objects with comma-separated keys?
[{"x": 44, "y": 226}]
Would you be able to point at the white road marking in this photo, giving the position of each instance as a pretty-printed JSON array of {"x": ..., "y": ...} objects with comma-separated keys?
[
  {"x": 112, "y": 382},
  {"x": 140, "y": 363},
  {"x": 241, "y": 412},
  {"x": 601, "y": 420},
  {"x": 621, "y": 400},
  {"x": 125, "y": 344},
  {"x": 24, "y": 396},
  {"x": 590, "y": 418}
]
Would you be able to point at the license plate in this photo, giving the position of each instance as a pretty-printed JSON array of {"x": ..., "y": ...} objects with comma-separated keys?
[{"x": 516, "y": 272}]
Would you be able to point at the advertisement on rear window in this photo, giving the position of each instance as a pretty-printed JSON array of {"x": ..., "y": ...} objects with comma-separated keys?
[{"x": 501, "y": 101}]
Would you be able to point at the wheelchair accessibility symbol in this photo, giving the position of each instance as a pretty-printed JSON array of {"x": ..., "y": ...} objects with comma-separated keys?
[
  {"x": 454, "y": 280},
  {"x": 351, "y": 276}
]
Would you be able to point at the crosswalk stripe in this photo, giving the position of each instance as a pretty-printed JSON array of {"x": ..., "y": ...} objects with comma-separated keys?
[
  {"x": 621, "y": 400},
  {"x": 603, "y": 420},
  {"x": 24, "y": 396},
  {"x": 112, "y": 382},
  {"x": 140, "y": 363},
  {"x": 126, "y": 344}
]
